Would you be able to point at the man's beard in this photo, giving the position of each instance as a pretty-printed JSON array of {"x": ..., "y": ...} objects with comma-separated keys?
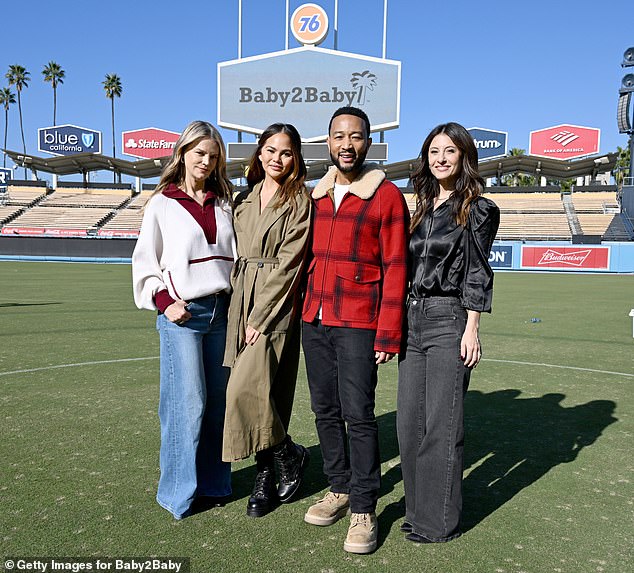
[{"x": 352, "y": 168}]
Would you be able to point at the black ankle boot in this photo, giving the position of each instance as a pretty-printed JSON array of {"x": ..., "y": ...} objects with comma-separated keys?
[
  {"x": 264, "y": 496},
  {"x": 291, "y": 460}
]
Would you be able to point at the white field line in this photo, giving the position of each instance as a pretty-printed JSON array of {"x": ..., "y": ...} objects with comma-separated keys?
[
  {"x": 541, "y": 364},
  {"x": 27, "y": 370},
  {"x": 544, "y": 365}
]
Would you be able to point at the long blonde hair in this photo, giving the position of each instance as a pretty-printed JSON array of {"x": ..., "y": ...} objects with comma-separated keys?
[{"x": 174, "y": 170}]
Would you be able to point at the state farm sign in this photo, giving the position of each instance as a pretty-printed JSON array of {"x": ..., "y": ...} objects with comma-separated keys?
[
  {"x": 564, "y": 141},
  {"x": 566, "y": 258},
  {"x": 148, "y": 143}
]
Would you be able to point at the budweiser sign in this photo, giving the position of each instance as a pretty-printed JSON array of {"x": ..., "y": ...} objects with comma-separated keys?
[
  {"x": 556, "y": 257},
  {"x": 564, "y": 141},
  {"x": 575, "y": 259}
]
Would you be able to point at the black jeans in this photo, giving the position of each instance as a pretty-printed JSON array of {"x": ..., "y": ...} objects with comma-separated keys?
[
  {"x": 432, "y": 383},
  {"x": 342, "y": 377}
]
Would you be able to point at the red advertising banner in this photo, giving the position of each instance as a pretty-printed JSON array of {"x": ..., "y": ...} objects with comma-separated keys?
[
  {"x": 148, "y": 143},
  {"x": 118, "y": 233},
  {"x": 566, "y": 257},
  {"x": 564, "y": 141},
  {"x": 31, "y": 231},
  {"x": 44, "y": 232}
]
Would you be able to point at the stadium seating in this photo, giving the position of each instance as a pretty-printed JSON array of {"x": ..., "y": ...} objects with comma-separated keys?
[
  {"x": 60, "y": 217},
  {"x": 138, "y": 201},
  {"x": 64, "y": 199},
  {"x": 596, "y": 202},
  {"x": 609, "y": 225},
  {"x": 527, "y": 202},
  {"x": 532, "y": 226},
  {"x": 8, "y": 211},
  {"x": 524, "y": 215},
  {"x": 24, "y": 196},
  {"x": 410, "y": 199},
  {"x": 128, "y": 219},
  {"x": 125, "y": 220}
]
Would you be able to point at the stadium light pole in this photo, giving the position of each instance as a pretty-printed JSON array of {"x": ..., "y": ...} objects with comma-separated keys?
[{"x": 625, "y": 125}]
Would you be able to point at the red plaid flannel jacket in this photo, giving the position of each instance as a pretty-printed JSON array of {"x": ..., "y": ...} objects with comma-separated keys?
[{"x": 357, "y": 268}]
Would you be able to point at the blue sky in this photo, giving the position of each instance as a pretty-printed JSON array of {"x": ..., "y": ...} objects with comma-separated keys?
[{"x": 515, "y": 67}]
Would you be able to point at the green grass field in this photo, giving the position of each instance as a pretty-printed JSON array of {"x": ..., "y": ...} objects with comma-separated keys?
[{"x": 548, "y": 482}]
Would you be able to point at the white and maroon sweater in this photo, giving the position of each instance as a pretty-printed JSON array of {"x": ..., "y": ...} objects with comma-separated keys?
[{"x": 184, "y": 251}]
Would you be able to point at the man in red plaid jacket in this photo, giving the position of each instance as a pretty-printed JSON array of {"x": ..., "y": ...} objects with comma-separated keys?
[{"x": 352, "y": 320}]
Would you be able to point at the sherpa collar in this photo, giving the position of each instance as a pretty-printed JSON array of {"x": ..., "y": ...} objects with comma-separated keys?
[{"x": 364, "y": 186}]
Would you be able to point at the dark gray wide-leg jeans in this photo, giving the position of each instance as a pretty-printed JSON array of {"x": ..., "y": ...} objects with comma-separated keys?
[{"x": 432, "y": 383}]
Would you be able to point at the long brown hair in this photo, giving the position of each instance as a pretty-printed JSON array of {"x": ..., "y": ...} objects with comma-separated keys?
[
  {"x": 174, "y": 170},
  {"x": 469, "y": 183},
  {"x": 293, "y": 183}
]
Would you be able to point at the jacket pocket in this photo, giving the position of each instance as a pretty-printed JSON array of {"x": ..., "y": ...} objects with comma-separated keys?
[{"x": 357, "y": 292}]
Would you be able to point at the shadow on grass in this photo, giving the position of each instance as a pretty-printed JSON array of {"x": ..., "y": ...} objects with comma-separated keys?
[
  {"x": 11, "y": 304},
  {"x": 511, "y": 442},
  {"x": 314, "y": 479}
]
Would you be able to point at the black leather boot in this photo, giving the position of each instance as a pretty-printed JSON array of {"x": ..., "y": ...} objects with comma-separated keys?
[
  {"x": 263, "y": 499},
  {"x": 291, "y": 460}
]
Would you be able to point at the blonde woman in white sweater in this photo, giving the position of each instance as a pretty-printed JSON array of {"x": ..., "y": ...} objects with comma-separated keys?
[{"x": 181, "y": 268}]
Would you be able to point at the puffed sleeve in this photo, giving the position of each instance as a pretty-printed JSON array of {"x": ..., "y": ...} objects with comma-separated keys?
[
  {"x": 147, "y": 277},
  {"x": 484, "y": 220}
]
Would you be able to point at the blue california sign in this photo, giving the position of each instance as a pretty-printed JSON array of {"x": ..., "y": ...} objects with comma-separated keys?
[
  {"x": 304, "y": 86},
  {"x": 489, "y": 143},
  {"x": 68, "y": 140}
]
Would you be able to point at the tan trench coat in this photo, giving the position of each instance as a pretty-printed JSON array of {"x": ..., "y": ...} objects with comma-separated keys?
[{"x": 266, "y": 295}]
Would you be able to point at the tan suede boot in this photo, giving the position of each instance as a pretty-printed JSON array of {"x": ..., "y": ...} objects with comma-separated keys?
[
  {"x": 329, "y": 509},
  {"x": 362, "y": 533}
]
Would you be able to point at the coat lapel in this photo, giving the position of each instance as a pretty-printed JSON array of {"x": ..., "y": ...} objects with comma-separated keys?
[{"x": 261, "y": 223}]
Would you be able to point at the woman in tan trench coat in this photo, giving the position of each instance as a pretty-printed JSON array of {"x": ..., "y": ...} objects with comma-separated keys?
[{"x": 272, "y": 224}]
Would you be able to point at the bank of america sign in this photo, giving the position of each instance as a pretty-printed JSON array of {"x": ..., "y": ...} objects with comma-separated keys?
[{"x": 304, "y": 86}]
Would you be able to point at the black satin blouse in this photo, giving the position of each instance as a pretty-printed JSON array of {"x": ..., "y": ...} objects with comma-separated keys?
[{"x": 447, "y": 259}]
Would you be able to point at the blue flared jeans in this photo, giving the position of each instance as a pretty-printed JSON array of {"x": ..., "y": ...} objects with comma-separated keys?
[
  {"x": 432, "y": 383},
  {"x": 192, "y": 406}
]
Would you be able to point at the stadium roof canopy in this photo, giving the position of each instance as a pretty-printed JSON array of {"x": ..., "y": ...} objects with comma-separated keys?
[
  {"x": 82, "y": 163},
  {"x": 538, "y": 166}
]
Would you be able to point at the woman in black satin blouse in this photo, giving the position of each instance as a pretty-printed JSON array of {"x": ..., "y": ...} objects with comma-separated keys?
[{"x": 451, "y": 283}]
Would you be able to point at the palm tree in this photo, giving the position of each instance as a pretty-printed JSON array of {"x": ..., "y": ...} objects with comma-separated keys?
[
  {"x": 7, "y": 97},
  {"x": 622, "y": 165},
  {"x": 364, "y": 81},
  {"x": 19, "y": 77},
  {"x": 112, "y": 85},
  {"x": 54, "y": 74},
  {"x": 516, "y": 179}
]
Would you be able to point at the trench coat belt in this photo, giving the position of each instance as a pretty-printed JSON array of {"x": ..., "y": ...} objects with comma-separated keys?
[
  {"x": 260, "y": 261},
  {"x": 237, "y": 319}
]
